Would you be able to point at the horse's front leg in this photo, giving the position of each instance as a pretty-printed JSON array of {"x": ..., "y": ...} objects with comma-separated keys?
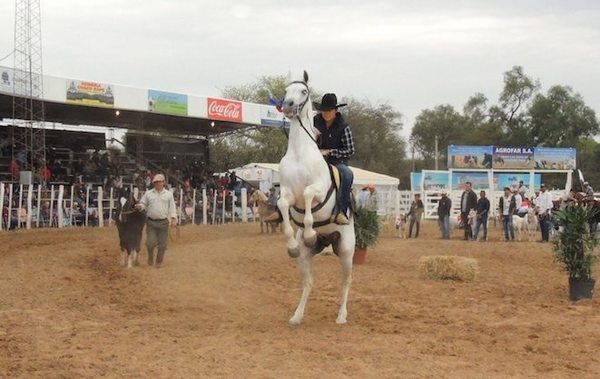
[
  {"x": 286, "y": 200},
  {"x": 312, "y": 192},
  {"x": 305, "y": 266}
]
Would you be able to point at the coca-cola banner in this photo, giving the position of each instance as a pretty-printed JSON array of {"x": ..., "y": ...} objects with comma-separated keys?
[{"x": 225, "y": 110}]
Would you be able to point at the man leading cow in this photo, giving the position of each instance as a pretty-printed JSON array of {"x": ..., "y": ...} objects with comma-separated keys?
[{"x": 161, "y": 211}]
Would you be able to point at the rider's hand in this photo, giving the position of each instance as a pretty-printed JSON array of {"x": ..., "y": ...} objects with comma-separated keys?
[
  {"x": 325, "y": 152},
  {"x": 173, "y": 222}
]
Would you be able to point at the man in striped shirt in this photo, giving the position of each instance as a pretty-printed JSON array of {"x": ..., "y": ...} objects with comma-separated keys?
[{"x": 337, "y": 146}]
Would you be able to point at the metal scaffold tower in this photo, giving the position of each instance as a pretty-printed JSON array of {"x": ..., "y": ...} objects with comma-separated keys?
[{"x": 29, "y": 139}]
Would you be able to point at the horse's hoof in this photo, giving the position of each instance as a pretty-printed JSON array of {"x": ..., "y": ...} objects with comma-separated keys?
[
  {"x": 294, "y": 321},
  {"x": 340, "y": 320},
  {"x": 311, "y": 241},
  {"x": 294, "y": 253}
]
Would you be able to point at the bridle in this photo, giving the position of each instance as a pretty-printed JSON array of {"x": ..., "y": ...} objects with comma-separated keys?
[{"x": 300, "y": 106}]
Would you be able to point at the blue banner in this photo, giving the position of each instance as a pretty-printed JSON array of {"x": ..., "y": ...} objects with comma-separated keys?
[
  {"x": 514, "y": 158},
  {"x": 435, "y": 180},
  {"x": 552, "y": 158},
  {"x": 511, "y": 180},
  {"x": 479, "y": 180},
  {"x": 470, "y": 156},
  {"x": 415, "y": 181}
]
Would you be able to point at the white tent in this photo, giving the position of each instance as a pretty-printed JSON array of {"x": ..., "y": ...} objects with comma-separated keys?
[{"x": 266, "y": 175}]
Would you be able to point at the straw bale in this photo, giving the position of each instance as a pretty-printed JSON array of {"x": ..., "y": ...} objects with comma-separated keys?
[{"x": 447, "y": 267}]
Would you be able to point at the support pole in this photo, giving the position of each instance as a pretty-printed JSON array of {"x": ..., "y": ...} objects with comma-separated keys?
[{"x": 59, "y": 205}]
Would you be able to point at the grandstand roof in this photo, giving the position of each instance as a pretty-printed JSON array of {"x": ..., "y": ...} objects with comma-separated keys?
[{"x": 84, "y": 102}]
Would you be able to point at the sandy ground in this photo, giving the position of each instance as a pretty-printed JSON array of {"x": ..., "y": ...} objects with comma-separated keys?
[{"x": 219, "y": 308}]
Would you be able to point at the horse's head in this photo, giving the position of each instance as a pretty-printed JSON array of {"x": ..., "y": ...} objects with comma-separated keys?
[
  {"x": 296, "y": 102},
  {"x": 258, "y": 197}
]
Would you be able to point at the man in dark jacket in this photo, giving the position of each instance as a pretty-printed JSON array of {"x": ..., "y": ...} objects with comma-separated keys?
[
  {"x": 444, "y": 207},
  {"x": 337, "y": 146},
  {"x": 415, "y": 213},
  {"x": 468, "y": 201},
  {"x": 483, "y": 210}
]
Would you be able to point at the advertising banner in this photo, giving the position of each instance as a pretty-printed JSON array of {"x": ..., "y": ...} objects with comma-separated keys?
[
  {"x": 225, "y": 110},
  {"x": 435, "y": 180},
  {"x": 479, "y": 180},
  {"x": 270, "y": 116},
  {"x": 167, "y": 102},
  {"x": 514, "y": 158},
  {"x": 552, "y": 158},
  {"x": 6, "y": 80},
  {"x": 90, "y": 93},
  {"x": 415, "y": 181},
  {"x": 511, "y": 180},
  {"x": 470, "y": 156}
]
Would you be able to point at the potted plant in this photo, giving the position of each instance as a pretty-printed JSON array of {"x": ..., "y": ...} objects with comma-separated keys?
[
  {"x": 366, "y": 228},
  {"x": 574, "y": 249}
]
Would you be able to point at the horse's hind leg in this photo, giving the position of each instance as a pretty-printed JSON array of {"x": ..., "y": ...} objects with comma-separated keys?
[
  {"x": 305, "y": 266},
  {"x": 345, "y": 250}
]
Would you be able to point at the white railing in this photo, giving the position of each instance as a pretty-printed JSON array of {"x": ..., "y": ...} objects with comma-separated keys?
[{"x": 33, "y": 206}]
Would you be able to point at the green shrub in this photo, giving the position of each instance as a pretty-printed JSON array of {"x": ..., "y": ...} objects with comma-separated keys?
[
  {"x": 366, "y": 227},
  {"x": 574, "y": 246}
]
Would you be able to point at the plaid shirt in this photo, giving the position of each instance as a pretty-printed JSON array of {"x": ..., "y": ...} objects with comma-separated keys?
[{"x": 347, "y": 149}]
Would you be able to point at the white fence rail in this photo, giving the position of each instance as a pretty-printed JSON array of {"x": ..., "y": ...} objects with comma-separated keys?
[{"x": 33, "y": 206}]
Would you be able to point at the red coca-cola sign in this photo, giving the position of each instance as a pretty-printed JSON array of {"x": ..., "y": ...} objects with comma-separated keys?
[{"x": 226, "y": 110}]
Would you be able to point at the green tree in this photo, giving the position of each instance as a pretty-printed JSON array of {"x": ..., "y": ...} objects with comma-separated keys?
[
  {"x": 376, "y": 130},
  {"x": 561, "y": 118},
  {"x": 443, "y": 122}
]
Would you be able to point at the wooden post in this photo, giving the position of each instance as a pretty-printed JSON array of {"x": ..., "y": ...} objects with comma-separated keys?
[
  {"x": 20, "y": 206},
  {"x": 72, "y": 205},
  {"x": 204, "y": 207},
  {"x": 87, "y": 204},
  {"x": 39, "y": 205},
  {"x": 100, "y": 207},
  {"x": 29, "y": 206},
  {"x": 51, "y": 221},
  {"x": 244, "y": 204},
  {"x": 233, "y": 197},
  {"x": 224, "y": 198},
  {"x": 110, "y": 207},
  {"x": 2, "y": 204},
  {"x": 180, "y": 205},
  {"x": 214, "y": 212},
  {"x": 194, "y": 207},
  {"x": 59, "y": 206},
  {"x": 10, "y": 200}
]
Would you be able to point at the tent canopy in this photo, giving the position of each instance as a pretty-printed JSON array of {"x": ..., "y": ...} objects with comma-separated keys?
[{"x": 361, "y": 177}]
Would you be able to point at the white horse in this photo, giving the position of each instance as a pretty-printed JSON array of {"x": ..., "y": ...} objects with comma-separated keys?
[{"x": 306, "y": 195}]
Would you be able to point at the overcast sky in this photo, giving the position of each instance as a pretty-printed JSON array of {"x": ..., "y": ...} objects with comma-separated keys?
[{"x": 412, "y": 54}]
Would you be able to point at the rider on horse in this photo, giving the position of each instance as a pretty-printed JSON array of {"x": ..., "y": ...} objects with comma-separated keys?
[{"x": 337, "y": 146}]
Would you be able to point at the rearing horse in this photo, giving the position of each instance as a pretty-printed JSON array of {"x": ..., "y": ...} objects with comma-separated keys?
[{"x": 306, "y": 196}]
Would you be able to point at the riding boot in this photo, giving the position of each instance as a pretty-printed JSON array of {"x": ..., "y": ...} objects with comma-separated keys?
[{"x": 340, "y": 219}]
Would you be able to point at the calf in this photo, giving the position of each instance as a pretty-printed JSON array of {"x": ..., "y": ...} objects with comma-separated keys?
[{"x": 130, "y": 224}]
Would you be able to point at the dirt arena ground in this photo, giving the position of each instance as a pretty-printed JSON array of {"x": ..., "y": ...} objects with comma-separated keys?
[{"x": 219, "y": 308}]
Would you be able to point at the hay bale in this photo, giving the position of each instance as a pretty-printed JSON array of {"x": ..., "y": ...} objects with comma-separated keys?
[{"x": 445, "y": 267}]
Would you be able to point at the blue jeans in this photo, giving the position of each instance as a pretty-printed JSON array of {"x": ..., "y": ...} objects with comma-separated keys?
[
  {"x": 445, "y": 226},
  {"x": 481, "y": 221},
  {"x": 344, "y": 196},
  {"x": 508, "y": 227}
]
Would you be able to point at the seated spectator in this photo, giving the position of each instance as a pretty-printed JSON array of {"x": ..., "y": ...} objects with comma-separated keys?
[{"x": 14, "y": 168}]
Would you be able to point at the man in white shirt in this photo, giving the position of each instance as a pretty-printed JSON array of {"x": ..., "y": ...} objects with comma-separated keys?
[
  {"x": 161, "y": 211},
  {"x": 544, "y": 205}
]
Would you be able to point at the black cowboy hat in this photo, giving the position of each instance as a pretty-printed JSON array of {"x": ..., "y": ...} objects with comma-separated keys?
[{"x": 328, "y": 102}]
